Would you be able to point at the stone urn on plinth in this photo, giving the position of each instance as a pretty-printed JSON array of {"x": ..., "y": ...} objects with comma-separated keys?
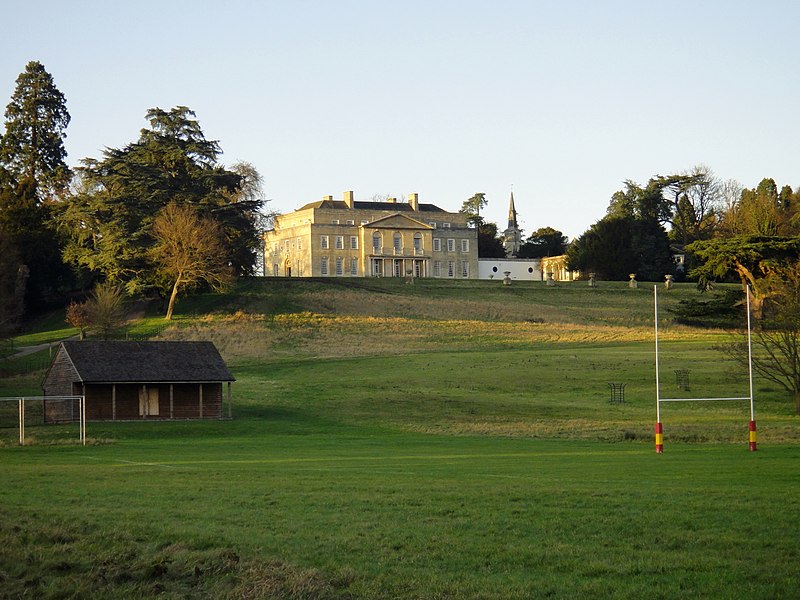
[
  {"x": 506, "y": 277},
  {"x": 633, "y": 284}
]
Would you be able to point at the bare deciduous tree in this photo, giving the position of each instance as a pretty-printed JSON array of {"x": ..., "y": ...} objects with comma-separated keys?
[
  {"x": 698, "y": 202},
  {"x": 102, "y": 312},
  {"x": 106, "y": 308},
  {"x": 189, "y": 250},
  {"x": 776, "y": 341}
]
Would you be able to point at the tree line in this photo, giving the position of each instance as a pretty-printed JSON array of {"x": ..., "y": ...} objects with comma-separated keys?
[
  {"x": 160, "y": 215},
  {"x": 687, "y": 213}
]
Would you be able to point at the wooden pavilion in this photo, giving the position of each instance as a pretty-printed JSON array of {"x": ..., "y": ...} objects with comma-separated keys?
[{"x": 137, "y": 381}]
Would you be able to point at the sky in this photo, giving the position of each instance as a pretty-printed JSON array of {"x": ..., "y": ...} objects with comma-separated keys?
[{"x": 559, "y": 101}]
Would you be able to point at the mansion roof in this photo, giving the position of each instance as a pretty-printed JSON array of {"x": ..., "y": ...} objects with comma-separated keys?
[{"x": 359, "y": 205}]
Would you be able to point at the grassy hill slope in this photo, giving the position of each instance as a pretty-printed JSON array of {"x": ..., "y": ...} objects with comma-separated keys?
[{"x": 467, "y": 357}]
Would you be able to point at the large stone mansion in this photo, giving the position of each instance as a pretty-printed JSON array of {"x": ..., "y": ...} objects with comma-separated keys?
[{"x": 350, "y": 238}]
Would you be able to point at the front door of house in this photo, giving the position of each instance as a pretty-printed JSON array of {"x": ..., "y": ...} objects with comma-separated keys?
[{"x": 148, "y": 402}]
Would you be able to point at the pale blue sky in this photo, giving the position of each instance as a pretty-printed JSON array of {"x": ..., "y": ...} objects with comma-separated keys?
[{"x": 563, "y": 99}]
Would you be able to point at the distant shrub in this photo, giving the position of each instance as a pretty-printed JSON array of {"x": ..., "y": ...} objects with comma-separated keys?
[{"x": 723, "y": 309}]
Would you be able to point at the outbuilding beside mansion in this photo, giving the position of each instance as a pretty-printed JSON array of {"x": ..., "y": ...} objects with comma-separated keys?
[{"x": 349, "y": 238}]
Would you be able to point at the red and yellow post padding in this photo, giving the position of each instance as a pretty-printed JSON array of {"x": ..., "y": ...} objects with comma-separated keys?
[
  {"x": 753, "y": 447},
  {"x": 659, "y": 438}
]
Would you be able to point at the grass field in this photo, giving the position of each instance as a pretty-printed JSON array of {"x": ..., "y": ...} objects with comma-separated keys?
[{"x": 428, "y": 441}]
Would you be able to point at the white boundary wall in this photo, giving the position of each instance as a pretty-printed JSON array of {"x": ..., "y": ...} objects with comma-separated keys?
[{"x": 519, "y": 268}]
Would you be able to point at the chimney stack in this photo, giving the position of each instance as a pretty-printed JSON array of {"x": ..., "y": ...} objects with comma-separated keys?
[
  {"x": 327, "y": 198},
  {"x": 348, "y": 199},
  {"x": 413, "y": 200}
]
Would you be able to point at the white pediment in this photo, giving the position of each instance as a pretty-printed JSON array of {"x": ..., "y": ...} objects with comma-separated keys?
[{"x": 397, "y": 221}]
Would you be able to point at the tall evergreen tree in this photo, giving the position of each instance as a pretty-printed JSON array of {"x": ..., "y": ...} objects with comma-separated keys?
[
  {"x": 32, "y": 147},
  {"x": 545, "y": 241},
  {"x": 33, "y": 172},
  {"x": 471, "y": 207},
  {"x": 631, "y": 237},
  {"x": 605, "y": 249},
  {"x": 490, "y": 245}
]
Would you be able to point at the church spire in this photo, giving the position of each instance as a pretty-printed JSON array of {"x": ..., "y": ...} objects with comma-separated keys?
[
  {"x": 512, "y": 236},
  {"x": 512, "y": 213}
]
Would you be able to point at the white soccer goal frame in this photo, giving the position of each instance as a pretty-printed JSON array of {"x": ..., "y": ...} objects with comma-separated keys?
[
  {"x": 752, "y": 426},
  {"x": 21, "y": 400}
]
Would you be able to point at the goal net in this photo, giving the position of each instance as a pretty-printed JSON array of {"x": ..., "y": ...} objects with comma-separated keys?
[{"x": 19, "y": 415}]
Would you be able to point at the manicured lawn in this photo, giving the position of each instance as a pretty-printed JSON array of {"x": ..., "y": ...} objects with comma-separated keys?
[{"x": 380, "y": 514}]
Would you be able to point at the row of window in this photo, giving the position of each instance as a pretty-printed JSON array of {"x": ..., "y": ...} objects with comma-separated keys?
[
  {"x": 295, "y": 244},
  {"x": 397, "y": 243},
  {"x": 339, "y": 266},
  {"x": 352, "y": 222},
  {"x": 451, "y": 245},
  {"x": 438, "y": 271},
  {"x": 451, "y": 268},
  {"x": 338, "y": 241}
]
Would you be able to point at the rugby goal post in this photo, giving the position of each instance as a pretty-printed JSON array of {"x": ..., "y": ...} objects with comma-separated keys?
[
  {"x": 659, "y": 433},
  {"x": 21, "y": 400}
]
